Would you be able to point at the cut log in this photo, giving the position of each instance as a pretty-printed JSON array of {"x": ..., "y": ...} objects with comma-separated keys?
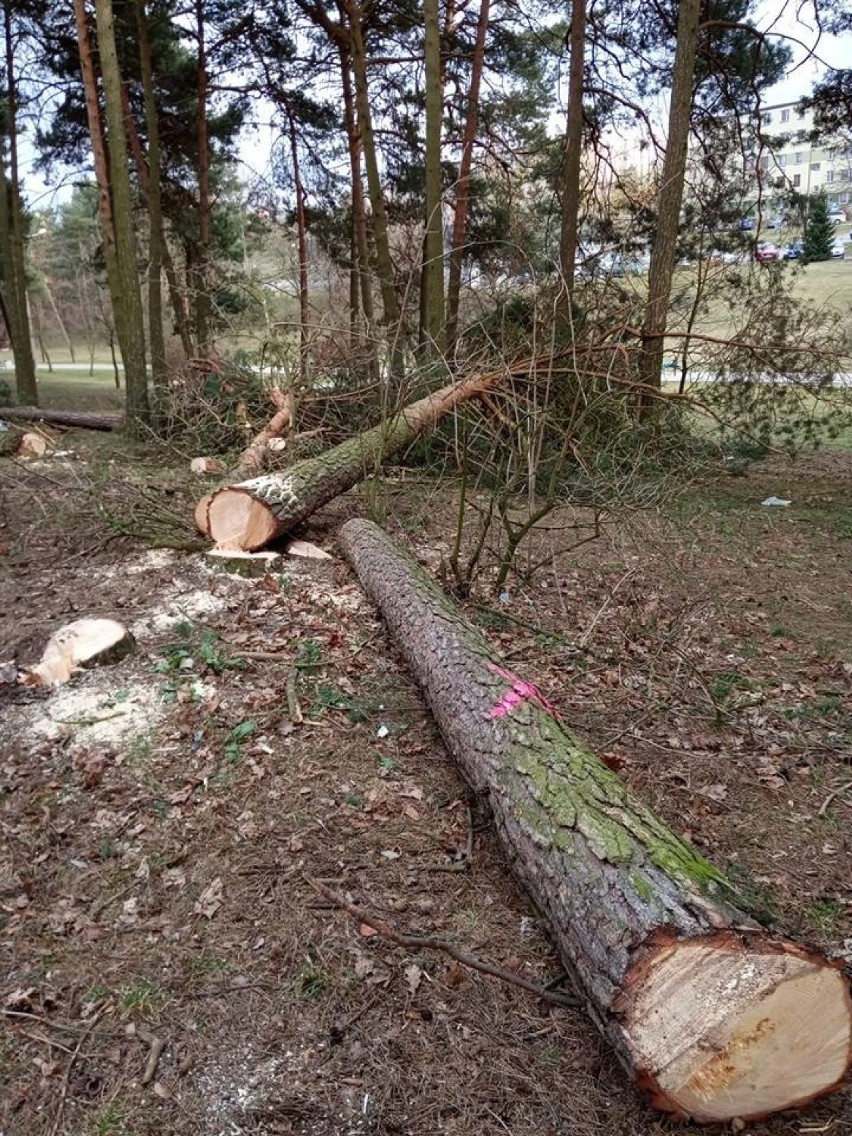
[
  {"x": 714, "y": 1016},
  {"x": 85, "y": 642},
  {"x": 252, "y": 457},
  {"x": 253, "y": 513},
  {"x": 202, "y": 521},
  {"x": 75, "y": 418}
]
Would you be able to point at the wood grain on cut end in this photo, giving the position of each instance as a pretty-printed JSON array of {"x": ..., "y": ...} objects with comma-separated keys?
[
  {"x": 237, "y": 520},
  {"x": 726, "y": 1028}
]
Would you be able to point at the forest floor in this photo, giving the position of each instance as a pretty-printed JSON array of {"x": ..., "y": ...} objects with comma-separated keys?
[{"x": 161, "y": 819}]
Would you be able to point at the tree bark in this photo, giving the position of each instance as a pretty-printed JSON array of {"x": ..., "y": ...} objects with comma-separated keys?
[
  {"x": 572, "y": 164},
  {"x": 663, "y": 249},
  {"x": 432, "y": 329},
  {"x": 384, "y": 263},
  {"x": 253, "y": 513},
  {"x": 127, "y": 299},
  {"x": 462, "y": 205},
  {"x": 201, "y": 281},
  {"x": 302, "y": 245},
  {"x": 713, "y": 1017},
  {"x": 13, "y": 230},
  {"x": 77, "y": 419},
  {"x": 156, "y": 232},
  {"x": 359, "y": 219}
]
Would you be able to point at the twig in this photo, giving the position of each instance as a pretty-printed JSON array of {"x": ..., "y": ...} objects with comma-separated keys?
[
  {"x": 293, "y": 707},
  {"x": 429, "y": 943},
  {"x": 156, "y": 1046},
  {"x": 584, "y": 638},
  {"x": 834, "y": 793},
  {"x": 63, "y": 1092}
]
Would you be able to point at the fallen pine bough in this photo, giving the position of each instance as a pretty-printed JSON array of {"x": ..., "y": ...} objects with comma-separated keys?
[
  {"x": 711, "y": 1014},
  {"x": 251, "y": 514}
]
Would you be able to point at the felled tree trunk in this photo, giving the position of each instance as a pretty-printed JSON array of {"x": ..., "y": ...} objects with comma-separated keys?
[
  {"x": 75, "y": 418},
  {"x": 711, "y": 1014},
  {"x": 252, "y": 513}
]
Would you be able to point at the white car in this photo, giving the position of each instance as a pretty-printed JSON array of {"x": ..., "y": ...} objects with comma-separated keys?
[
  {"x": 838, "y": 251},
  {"x": 837, "y": 217}
]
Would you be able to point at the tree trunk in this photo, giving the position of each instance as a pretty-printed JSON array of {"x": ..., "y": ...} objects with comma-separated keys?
[
  {"x": 359, "y": 219},
  {"x": 96, "y": 135},
  {"x": 571, "y": 170},
  {"x": 57, "y": 315},
  {"x": 127, "y": 299},
  {"x": 663, "y": 249},
  {"x": 13, "y": 234},
  {"x": 714, "y": 1017},
  {"x": 384, "y": 263},
  {"x": 78, "y": 419},
  {"x": 462, "y": 206},
  {"x": 252, "y": 513},
  {"x": 432, "y": 330},
  {"x": 156, "y": 233},
  {"x": 202, "y": 283},
  {"x": 302, "y": 245}
]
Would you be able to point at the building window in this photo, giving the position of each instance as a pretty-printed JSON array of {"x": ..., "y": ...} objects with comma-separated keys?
[
  {"x": 763, "y": 164},
  {"x": 797, "y": 180},
  {"x": 767, "y": 119},
  {"x": 799, "y": 157},
  {"x": 829, "y": 175},
  {"x": 782, "y": 160},
  {"x": 843, "y": 199},
  {"x": 815, "y": 166},
  {"x": 785, "y": 116}
]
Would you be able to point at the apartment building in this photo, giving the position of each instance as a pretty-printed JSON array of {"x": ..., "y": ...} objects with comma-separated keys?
[{"x": 786, "y": 158}]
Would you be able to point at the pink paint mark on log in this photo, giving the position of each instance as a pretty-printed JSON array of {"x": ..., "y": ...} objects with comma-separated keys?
[{"x": 520, "y": 691}]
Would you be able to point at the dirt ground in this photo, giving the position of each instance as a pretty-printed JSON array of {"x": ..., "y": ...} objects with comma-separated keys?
[{"x": 160, "y": 819}]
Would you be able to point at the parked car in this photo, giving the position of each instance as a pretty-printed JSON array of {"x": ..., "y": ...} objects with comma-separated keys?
[
  {"x": 838, "y": 251},
  {"x": 766, "y": 252},
  {"x": 794, "y": 250},
  {"x": 775, "y": 223},
  {"x": 747, "y": 224},
  {"x": 837, "y": 216}
]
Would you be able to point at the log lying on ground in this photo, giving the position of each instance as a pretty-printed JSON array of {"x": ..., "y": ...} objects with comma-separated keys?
[
  {"x": 715, "y": 1017},
  {"x": 252, "y": 513},
  {"x": 78, "y": 419}
]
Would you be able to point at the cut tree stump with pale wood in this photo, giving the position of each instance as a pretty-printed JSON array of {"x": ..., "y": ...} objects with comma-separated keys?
[
  {"x": 251, "y": 514},
  {"x": 710, "y": 1013}
]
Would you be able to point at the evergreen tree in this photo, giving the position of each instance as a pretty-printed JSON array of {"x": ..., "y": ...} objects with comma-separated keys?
[{"x": 819, "y": 232}]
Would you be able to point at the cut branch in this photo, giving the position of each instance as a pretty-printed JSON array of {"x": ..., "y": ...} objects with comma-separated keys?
[
  {"x": 711, "y": 1014},
  {"x": 252, "y": 513},
  {"x": 253, "y": 455}
]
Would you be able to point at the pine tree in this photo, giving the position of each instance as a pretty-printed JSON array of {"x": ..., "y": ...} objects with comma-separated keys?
[{"x": 819, "y": 232}]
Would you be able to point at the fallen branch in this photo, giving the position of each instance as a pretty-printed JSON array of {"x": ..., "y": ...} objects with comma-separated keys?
[
  {"x": 63, "y": 1092},
  {"x": 714, "y": 1016},
  {"x": 81, "y": 420},
  {"x": 156, "y": 1046},
  {"x": 252, "y": 458},
  {"x": 429, "y": 943}
]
